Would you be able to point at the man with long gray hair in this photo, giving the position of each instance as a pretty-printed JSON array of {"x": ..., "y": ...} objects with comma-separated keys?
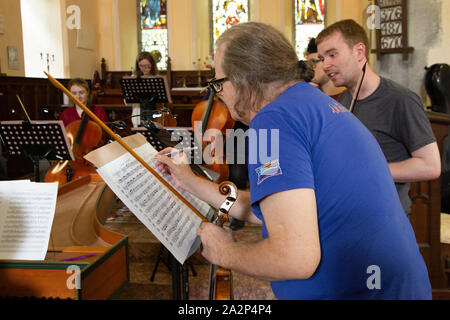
[{"x": 332, "y": 224}]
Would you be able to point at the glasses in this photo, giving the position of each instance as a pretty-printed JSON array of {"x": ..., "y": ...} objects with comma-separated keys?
[
  {"x": 217, "y": 84},
  {"x": 145, "y": 66}
]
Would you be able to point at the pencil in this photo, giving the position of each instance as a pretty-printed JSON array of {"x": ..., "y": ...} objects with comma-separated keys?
[{"x": 179, "y": 151}]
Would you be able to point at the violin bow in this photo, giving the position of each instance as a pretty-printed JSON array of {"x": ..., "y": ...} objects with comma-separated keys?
[
  {"x": 360, "y": 81},
  {"x": 23, "y": 107},
  {"x": 58, "y": 85}
]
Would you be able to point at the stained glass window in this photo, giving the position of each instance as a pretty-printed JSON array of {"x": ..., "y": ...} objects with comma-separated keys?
[
  {"x": 227, "y": 13},
  {"x": 154, "y": 36},
  {"x": 309, "y": 21}
]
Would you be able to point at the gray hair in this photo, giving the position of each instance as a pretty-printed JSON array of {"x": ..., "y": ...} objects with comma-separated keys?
[{"x": 255, "y": 56}]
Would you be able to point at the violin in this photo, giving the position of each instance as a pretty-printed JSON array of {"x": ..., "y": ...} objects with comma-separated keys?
[
  {"x": 224, "y": 188},
  {"x": 57, "y": 84},
  {"x": 84, "y": 136},
  {"x": 221, "y": 280},
  {"x": 213, "y": 114}
]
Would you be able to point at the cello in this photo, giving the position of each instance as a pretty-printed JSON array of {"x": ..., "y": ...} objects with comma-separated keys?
[
  {"x": 215, "y": 118},
  {"x": 224, "y": 188},
  {"x": 221, "y": 281},
  {"x": 84, "y": 136}
]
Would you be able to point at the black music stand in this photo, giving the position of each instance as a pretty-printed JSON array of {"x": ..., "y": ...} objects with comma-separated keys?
[
  {"x": 162, "y": 137},
  {"x": 36, "y": 140},
  {"x": 147, "y": 91}
]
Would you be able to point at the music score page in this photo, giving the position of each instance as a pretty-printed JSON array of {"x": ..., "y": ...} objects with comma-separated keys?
[
  {"x": 161, "y": 211},
  {"x": 27, "y": 210}
]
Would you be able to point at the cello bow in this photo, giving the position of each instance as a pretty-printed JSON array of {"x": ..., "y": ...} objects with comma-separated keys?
[
  {"x": 360, "y": 81},
  {"x": 221, "y": 281},
  {"x": 58, "y": 85}
]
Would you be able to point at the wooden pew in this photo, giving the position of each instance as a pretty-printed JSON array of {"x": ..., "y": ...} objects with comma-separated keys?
[
  {"x": 186, "y": 90},
  {"x": 426, "y": 213}
]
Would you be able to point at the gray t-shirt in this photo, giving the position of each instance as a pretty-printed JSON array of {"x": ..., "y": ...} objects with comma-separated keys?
[{"x": 396, "y": 117}]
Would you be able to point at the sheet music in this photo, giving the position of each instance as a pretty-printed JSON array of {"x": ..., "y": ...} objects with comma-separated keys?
[
  {"x": 26, "y": 216},
  {"x": 164, "y": 214}
]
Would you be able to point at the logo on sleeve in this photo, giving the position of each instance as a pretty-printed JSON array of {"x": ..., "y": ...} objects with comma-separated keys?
[
  {"x": 268, "y": 170},
  {"x": 336, "y": 107}
]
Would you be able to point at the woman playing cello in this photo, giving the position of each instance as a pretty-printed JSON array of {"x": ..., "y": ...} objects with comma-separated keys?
[
  {"x": 80, "y": 89},
  {"x": 83, "y": 134}
]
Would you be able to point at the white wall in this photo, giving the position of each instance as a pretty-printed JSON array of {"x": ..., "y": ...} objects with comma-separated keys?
[
  {"x": 441, "y": 52},
  {"x": 41, "y": 25},
  {"x": 428, "y": 34}
]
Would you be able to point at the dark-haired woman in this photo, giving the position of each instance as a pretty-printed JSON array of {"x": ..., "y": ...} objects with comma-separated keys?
[{"x": 145, "y": 66}]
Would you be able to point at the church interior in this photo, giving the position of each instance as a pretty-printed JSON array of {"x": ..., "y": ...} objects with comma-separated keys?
[{"x": 98, "y": 41}]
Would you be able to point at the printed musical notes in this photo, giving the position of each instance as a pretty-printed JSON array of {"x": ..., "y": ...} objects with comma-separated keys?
[
  {"x": 164, "y": 214},
  {"x": 26, "y": 216}
]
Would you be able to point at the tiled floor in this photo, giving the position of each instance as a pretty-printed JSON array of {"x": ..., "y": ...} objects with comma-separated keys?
[{"x": 144, "y": 249}]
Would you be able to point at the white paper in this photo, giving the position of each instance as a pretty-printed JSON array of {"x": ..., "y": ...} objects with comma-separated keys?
[
  {"x": 164, "y": 214},
  {"x": 27, "y": 210}
]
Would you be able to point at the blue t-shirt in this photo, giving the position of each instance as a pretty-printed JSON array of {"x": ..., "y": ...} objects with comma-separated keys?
[{"x": 368, "y": 247}]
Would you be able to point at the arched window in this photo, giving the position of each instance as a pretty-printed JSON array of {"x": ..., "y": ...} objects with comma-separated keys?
[
  {"x": 225, "y": 14},
  {"x": 153, "y": 35},
  {"x": 309, "y": 20}
]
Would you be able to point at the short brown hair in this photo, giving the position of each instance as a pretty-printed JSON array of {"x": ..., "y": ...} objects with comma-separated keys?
[
  {"x": 352, "y": 33},
  {"x": 255, "y": 55}
]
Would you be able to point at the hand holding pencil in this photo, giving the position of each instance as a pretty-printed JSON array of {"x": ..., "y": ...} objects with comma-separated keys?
[
  {"x": 169, "y": 154},
  {"x": 173, "y": 162}
]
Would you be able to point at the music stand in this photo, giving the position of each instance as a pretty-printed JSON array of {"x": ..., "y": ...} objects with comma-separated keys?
[
  {"x": 160, "y": 138},
  {"x": 36, "y": 140},
  {"x": 147, "y": 91}
]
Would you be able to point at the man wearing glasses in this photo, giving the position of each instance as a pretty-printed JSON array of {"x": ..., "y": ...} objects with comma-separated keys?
[
  {"x": 332, "y": 224},
  {"x": 321, "y": 79}
]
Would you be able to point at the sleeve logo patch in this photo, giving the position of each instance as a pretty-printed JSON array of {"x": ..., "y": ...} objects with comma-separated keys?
[{"x": 268, "y": 170}]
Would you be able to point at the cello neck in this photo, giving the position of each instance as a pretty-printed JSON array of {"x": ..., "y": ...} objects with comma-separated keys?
[
  {"x": 81, "y": 129},
  {"x": 207, "y": 111}
]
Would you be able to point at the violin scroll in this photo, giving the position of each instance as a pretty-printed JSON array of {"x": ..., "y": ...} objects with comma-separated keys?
[{"x": 226, "y": 188}]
